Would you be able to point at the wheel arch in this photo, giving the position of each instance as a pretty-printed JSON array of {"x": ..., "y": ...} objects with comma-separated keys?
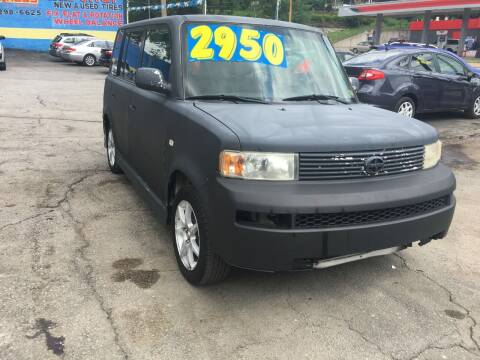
[
  {"x": 176, "y": 181},
  {"x": 106, "y": 126}
]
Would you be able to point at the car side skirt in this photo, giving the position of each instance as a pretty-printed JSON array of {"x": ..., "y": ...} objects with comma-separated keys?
[{"x": 143, "y": 189}]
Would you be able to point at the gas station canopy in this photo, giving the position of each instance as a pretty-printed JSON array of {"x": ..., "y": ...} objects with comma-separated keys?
[
  {"x": 410, "y": 7},
  {"x": 415, "y": 8}
]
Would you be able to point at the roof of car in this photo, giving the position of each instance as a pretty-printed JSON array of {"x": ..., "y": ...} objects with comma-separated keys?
[
  {"x": 414, "y": 49},
  {"x": 179, "y": 19}
]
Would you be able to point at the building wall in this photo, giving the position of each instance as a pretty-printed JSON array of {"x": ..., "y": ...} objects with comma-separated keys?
[{"x": 32, "y": 24}]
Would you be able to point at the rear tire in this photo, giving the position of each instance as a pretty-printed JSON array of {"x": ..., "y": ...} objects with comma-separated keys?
[
  {"x": 406, "y": 107},
  {"x": 195, "y": 258},
  {"x": 473, "y": 112},
  {"x": 112, "y": 153},
  {"x": 89, "y": 60},
  {"x": 3, "y": 66},
  {"x": 355, "y": 51}
]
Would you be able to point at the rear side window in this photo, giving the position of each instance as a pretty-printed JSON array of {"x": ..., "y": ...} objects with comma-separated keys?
[
  {"x": 69, "y": 40},
  {"x": 422, "y": 63},
  {"x": 373, "y": 57},
  {"x": 401, "y": 63},
  {"x": 157, "y": 51},
  {"x": 99, "y": 44},
  {"x": 116, "y": 52},
  {"x": 450, "y": 66},
  {"x": 131, "y": 54}
]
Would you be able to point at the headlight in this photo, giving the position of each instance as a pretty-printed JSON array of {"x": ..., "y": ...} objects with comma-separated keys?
[
  {"x": 433, "y": 153},
  {"x": 258, "y": 165}
]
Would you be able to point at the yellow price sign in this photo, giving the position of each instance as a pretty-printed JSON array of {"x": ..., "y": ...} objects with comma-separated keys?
[{"x": 221, "y": 42}]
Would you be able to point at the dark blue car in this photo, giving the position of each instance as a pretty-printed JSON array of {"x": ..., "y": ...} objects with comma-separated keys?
[{"x": 419, "y": 80}]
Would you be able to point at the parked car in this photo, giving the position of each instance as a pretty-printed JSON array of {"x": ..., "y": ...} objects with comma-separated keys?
[
  {"x": 86, "y": 52},
  {"x": 452, "y": 45},
  {"x": 362, "y": 47},
  {"x": 65, "y": 39},
  {"x": 412, "y": 81},
  {"x": 3, "y": 59},
  {"x": 345, "y": 55},
  {"x": 246, "y": 137},
  {"x": 105, "y": 57},
  {"x": 392, "y": 46}
]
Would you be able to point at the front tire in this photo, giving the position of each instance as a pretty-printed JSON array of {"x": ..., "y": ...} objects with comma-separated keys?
[
  {"x": 3, "y": 66},
  {"x": 195, "y": 259},
  {"x": 355, "y": 51},
  {"x": 89, "y": 60},
  {"x": 473, "y": 112},
  {"x": 406, "y": 107},
  {"x": 112, "y": 153}
]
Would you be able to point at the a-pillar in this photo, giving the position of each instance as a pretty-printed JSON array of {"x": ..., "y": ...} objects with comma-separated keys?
[{"x": 463, "y": 32}]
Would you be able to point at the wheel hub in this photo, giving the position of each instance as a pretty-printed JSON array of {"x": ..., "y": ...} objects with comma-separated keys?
[{"x": 187, "y": 236}]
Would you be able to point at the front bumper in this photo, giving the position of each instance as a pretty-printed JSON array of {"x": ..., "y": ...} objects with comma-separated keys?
[{"x": 255, "y": 246}]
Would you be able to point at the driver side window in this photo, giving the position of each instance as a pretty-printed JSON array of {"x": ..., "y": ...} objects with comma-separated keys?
[{"x": 449, "y": 66}]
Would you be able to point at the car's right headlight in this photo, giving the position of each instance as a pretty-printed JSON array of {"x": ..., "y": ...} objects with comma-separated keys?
[
  {"x": 432, "y": 155},
  {"x": 251, "y": 165}
]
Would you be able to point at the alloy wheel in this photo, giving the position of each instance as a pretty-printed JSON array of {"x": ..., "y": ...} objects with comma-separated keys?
[
  {"x": 406, "y": 109},
  {"x": 476, "y": 106},
  {"x": 111, "y": 148},
  {"x": 187, "y": 235},
  {"x": 90, "y": 60}
]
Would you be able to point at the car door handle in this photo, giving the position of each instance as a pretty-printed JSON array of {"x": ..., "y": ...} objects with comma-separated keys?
[
  {"x": 132, "y": 107},
  {"x": 113, "y": 95}
]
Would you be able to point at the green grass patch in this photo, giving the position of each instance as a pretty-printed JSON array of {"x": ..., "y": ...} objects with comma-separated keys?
[{"x": 339, "y": 35}]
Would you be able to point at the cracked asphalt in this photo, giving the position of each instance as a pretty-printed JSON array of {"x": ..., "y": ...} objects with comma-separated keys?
[{"x": 86, "y": 271}]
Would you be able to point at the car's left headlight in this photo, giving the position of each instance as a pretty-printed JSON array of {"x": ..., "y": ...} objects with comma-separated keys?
[
  {"x": 432, "y": 155},
  {"x": 258, "y": 165}
]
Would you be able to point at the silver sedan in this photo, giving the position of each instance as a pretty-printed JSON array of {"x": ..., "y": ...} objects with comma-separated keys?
[{"x": 86, "y": 52}]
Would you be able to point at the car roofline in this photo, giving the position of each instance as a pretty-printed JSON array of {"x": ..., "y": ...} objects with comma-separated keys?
[{"x": 180, "y": 19}]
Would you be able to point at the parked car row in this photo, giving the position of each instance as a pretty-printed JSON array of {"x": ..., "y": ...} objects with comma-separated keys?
[
  {"x": 81, "y": 49},
  {"x": 416, "y": 80}
]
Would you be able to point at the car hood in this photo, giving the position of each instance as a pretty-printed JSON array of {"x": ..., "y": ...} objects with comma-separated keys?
[{"x": 318, "y": 127}]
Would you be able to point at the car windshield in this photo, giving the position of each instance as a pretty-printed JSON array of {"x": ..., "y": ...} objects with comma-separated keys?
[
  {"x": 269, "y": 64},
  {"x": 372, "y": 57}
]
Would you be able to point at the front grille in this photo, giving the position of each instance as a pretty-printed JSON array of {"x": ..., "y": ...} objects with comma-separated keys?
[
  {"x": 350, "y": 165},
  {"x": 312, "y": 221}
]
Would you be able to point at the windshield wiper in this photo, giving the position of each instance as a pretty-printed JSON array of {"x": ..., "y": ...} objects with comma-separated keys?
[
  {"x": 315, "y": 97},
  {"x": 233, "y": 98}
]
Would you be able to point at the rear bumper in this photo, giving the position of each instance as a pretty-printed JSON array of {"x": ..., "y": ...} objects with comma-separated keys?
[
  {"x": 254, "y": 246},
  {"x": 53, "y": 52},
  {"x": 380, "y": 100}
]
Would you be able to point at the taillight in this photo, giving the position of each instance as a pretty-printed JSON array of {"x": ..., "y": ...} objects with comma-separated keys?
[
  {"x": 371, "y": 74},
  {"x": 57, "y": 45},
  {"x": 108, "y": 52},
  {"x": 70, "y": 49}
]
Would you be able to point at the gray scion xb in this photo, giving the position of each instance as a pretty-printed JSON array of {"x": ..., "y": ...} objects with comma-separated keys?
[{"x": 245, "y": 135}]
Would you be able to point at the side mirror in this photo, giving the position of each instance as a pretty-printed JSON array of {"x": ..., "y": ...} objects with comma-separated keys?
[
  {"x": 470, "y": 75},
  {"x": 151, "y": 79},
  {"x": 2, "y": 37},
  {"x": 355, "y": 83}
]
